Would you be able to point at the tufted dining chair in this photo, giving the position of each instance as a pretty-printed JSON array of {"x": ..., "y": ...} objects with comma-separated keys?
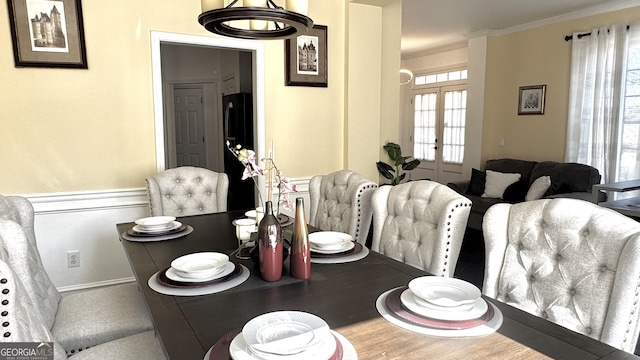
[
  {"x": 569, "y": 261},
  {"x": 21, "y": 323},
  {"x": 421, "y": 223},
  {"x": 187, "y": 190},
  {"x": 341, "y": 201},
  {"x": 78, "y": 320}
]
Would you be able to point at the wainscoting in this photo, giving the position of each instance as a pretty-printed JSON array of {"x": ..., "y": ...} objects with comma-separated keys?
[{"x": 86, "y": 222}]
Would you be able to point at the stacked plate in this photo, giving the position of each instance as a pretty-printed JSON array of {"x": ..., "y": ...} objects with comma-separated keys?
[
  {"x": 286, "y": 335},
  {"x": 200, "y": 267},
  {"x": 444, "y": 299},
  {"x": 156, "y": 225},
  {"x": 330, "y": 242}
]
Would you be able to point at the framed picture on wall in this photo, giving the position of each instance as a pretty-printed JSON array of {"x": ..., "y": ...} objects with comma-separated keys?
[
  {"x": 531, "y": 100},
  {"x": 306, "y": 58},
  {"x": 47, "y": 33}
]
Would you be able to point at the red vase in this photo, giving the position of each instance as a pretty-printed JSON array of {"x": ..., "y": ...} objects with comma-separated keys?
[{"x": 270, "y": 245}]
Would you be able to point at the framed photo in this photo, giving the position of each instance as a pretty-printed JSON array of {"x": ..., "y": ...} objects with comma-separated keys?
[
  {"x": 306, "y": 58},
  {"x": 47, "y": 33},
  {"x": 531, "y": 100}
]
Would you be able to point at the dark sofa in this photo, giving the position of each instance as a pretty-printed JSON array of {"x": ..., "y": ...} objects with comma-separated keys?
[{"x": 569, "y": 180}]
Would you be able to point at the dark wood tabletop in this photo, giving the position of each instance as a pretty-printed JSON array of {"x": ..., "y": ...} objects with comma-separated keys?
[{"x": 344, "y": 295}]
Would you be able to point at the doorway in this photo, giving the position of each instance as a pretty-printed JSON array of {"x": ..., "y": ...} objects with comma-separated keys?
[
  {"x": 439, "y": 115},
  {"x": 165, "y": 88}
]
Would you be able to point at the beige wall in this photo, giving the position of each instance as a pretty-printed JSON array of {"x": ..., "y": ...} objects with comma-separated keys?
[
  {"x": 75, "y": 130},
  {"x": 532, "y": 57}
]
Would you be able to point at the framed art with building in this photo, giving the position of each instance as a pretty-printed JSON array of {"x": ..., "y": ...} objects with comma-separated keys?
[
  {"x": 531, "y": 100},
  {"x": 306, "y": 58},
  {"x": 47, "y": 33}
]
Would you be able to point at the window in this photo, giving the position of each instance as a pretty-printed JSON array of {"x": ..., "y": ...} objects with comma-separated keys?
[
  {"x": 603, "y": 128},
  {"x": 441, "y": 77}
]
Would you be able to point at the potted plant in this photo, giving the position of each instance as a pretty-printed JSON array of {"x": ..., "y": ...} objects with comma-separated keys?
[{"x": 396, "y": 173}]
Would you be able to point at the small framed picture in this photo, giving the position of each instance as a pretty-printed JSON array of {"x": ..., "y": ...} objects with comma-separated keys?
[
  {"x": 306, "y": 58},
  {"x": 47, "y": 33},
  {"x": 531, "y": 100}
]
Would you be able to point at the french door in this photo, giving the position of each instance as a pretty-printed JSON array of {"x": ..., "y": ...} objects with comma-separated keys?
[{"x": 439, "y": 116}]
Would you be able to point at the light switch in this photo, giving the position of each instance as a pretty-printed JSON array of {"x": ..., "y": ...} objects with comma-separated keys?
[{"x": 501, "y": 143}]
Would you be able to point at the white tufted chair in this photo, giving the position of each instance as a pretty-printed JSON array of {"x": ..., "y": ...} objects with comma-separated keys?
[
  {"x": 421, "y": 223},
  {"x": 79, "y": 320},
  {"x": 569, "y": 261},
  {"x": 21, "y": 323},
  {"x": 187, "y": 190},
  {"x": 341, "y": 201}
]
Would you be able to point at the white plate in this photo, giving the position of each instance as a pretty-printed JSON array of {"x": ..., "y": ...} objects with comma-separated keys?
[
  {"x": 285, "y": 332},
  {"x": 154, "y": 222},
  {"x": 240, "y": 350},
  {"x": 329, "y": 240},
  {"x": 226, "y": 270},
  {"x": 463, "y": 307},
  {"x": 346, "y": 247},
  {"x": 479, "y": 308},
  {"x": 174, "y": 225},
  {"x": 443, "y": 291},
  {"x": 202, "y": 264},
  {"x": 483, "y": 330}
]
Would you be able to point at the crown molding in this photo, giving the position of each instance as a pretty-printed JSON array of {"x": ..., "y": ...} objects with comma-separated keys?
[{"x": 596, "y": 10}]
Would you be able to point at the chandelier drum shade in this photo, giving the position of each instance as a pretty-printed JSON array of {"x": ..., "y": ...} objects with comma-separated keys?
[{"x": 266, "y": 20}]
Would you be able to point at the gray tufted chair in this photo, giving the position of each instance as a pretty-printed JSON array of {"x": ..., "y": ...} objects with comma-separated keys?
[
  {"x": 21, "y": 323},
  {"x": 187, "y": 190},
  {"x": 421, "y": 223},
  {"x": 341, "y": 201},
  {"x": 569, "y": 261},
  {"x": 79, "y": 320}
]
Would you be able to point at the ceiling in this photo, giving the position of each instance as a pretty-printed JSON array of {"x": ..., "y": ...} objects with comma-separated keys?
[{"x": 430, "y": 24}]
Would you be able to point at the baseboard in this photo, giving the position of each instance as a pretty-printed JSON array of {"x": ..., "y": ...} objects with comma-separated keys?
[{"x": 97, "y": 284}]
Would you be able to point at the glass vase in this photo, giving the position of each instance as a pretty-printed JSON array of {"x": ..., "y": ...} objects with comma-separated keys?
[
  {"x": 300, "y": 263},
  {"x": 270, "y": 245}
]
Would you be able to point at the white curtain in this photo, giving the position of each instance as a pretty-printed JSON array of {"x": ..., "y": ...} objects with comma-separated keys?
[{"x": 597, "y": 73}]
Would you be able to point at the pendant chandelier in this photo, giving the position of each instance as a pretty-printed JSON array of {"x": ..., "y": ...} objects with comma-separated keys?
[{"x": 256, "y": 19}]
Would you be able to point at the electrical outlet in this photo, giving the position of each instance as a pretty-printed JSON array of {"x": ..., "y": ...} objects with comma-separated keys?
[{"x": 73, "y": 258}]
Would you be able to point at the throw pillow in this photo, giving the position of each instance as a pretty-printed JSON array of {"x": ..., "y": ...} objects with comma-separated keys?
[
  {"x": 476, "y": 185},
  {"x": 538, "y": 188},
  {"x": 516, "y": 191},
  {"x": 497, "y": 183}
]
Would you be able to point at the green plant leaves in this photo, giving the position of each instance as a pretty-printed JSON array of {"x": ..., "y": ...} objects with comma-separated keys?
[
  {"x": 385, "y": 170},
  {"x": 411, "y": 165},
  {"x": 396, "y": 174}
]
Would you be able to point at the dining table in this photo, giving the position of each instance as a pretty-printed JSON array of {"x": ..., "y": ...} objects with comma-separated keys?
[{"x": 342, "y": 294}]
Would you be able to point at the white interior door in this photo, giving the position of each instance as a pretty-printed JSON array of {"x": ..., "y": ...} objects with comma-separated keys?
[
  {"x": 190, "y": 128},
  {"x": 439, "y": 116}
]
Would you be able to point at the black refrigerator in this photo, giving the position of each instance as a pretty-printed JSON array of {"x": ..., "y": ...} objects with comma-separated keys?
[{"x": 238, "y": 129}]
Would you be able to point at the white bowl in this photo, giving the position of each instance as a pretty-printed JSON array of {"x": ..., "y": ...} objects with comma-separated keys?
[
  {"x": 329, "y": 240},
  {"x": 443, "y": 291},
  {"x": 200, "y": 264},
  {"x": 284, "y": 332},
  {"x": 156, "y": 222}
]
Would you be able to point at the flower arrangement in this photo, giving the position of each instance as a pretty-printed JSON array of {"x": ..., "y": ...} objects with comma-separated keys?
[{"x": 252, "y": 170}]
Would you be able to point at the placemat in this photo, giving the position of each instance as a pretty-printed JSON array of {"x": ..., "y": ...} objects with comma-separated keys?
[
  {"x": 205, "y": 290},
  {"x": 490, "y": 327},
  {"x": 395, "y": 307},
  {"x": 341, "y": 259},
  {"x": 164, "y": 280},
  {"x": 128, "y": 237}
]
